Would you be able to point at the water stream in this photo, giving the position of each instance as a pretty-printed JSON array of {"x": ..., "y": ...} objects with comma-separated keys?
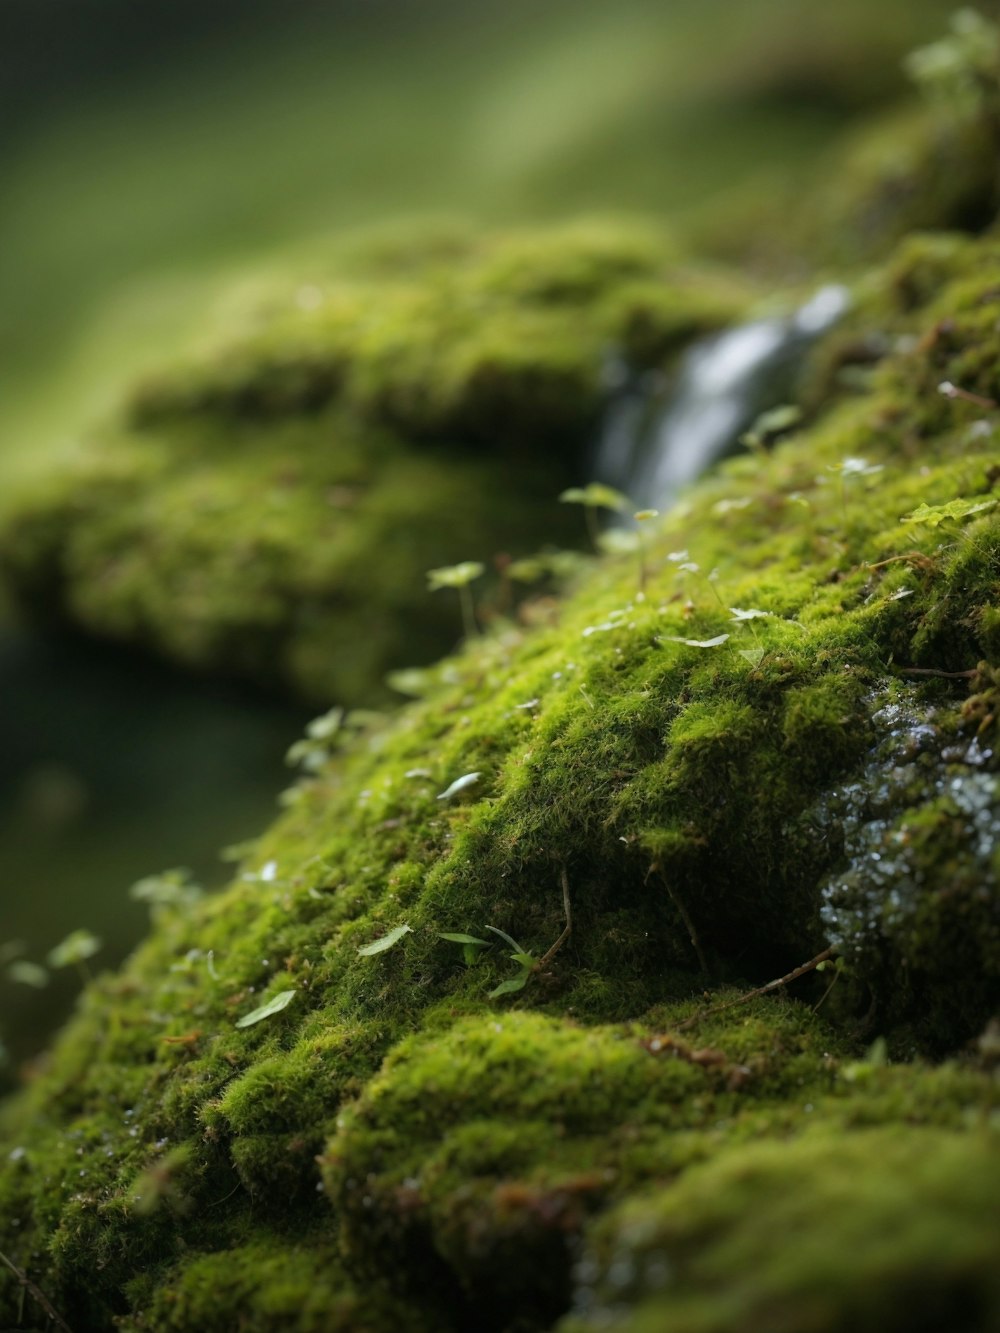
[{"x": 661, "y": 433}]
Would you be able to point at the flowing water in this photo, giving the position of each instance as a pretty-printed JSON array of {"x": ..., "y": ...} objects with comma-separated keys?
[{"x": 660, "y": 434}]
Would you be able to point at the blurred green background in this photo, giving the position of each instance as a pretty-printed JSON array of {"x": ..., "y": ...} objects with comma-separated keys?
[{"x": 152, "y": 155}]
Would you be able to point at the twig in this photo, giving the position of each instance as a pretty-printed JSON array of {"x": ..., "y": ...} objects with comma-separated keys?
[
  {"x": 912, "y": 557},
  {"x": 950, "y": 390},
  {"x": 761, "y": 990},
  {"x": 945, "y": 675},
  {"x": 36, "y": 1293},
  {"x": 685, "y": 916},
  {"x": 822, "y": 999},
  {"x": 568, "y": 931}
]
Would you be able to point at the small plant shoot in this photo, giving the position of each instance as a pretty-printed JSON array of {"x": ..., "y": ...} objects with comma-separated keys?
[
  {"x": 385, "y": 942},
  {"x": 461, "y": 784},
  {"x": 274, "y": 1006},
  {"x": 471, "y": 945},
  {"x": 459, "y": 577},
  {"x": 593, "y": 497},
  {"x": 74, "y": 951}
]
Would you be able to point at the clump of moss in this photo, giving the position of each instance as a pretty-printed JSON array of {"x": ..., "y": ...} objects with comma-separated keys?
[
  {"x": 883, "y": 1229},
  {"x": 270, "y": 507},
  {"x": 668, "y": 757}
]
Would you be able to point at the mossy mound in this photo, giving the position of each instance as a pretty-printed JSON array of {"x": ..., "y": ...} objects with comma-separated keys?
[
  {"x": 885, "y": 1228},
  {"x": 784, "y": 742},
  {"x": 270, "y": 507}
]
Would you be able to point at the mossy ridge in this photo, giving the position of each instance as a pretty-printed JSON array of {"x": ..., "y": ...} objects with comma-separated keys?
[
  {"x": 885, "y": 1228},
  {"x": 655, "y": 773},
  {"x": 297, "y": 565},
  {"x": 497, "y": 341},
  {"x": 269, "y": 512},
  {"x": 492, "y": 1149}
]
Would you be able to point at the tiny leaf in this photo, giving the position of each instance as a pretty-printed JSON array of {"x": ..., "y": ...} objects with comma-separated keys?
[
  {"x": 386, "y": 942},
  {"x": 274, "y": 1006},
  {"x": 77, "y": 947},
  {"x": 509, "y": 987},
  {"x": 28, "y": 974},
  {"x": 458, "y": 938},
  {"x": 460, "y": 784},
  {"x": 455, "y": 576},
  {"x": 935, "y": 515},
  {"x": 696, "y": 643},
  {"x": 596, "y": 496},
  {"x": 504, "y": 936}
]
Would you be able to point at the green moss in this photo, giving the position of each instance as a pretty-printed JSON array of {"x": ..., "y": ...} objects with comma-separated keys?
[
  {"x": 271, "y": 507},
  {"x": 883, "y": 1230},
  {"x": 718, "y": 814}
]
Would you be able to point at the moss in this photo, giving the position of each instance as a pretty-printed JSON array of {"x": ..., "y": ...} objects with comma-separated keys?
[
  {"x": 718, "y": 814},
  {"x": 271, "y": 507},
  {"x": 879, "y": 1231}
]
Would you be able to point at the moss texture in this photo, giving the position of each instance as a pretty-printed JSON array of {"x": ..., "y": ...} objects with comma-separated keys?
[
  {"x": 393, "y": 1147},
  {"x": 271, "y": 506}
]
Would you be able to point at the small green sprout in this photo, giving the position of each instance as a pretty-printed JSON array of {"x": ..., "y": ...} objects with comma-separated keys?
[
  {"x": 642, "y": 516},
  {"x": 769, "y": 426},
  {"x": 386, "y": 941},
  {"x": 949, "y": 515},
  {"x": 459, "y": 577},
  {"x": 471, "y": 945},
  {"x": 617, "y": 541},
  {"x": 695, "y": 643},
  {"x": 414, "y": 682},
  {"x": 74, "y": 951},
  {"x": 851, "y": 467},
  {"x": 459, "y": 785},
  {"x": 526, "y": 962},
  {"x": 273, "y": 1006},
  {"x": 932, "y": 516},
  {"x": 28, "y": 974},
  {"x": 174, "y": 888},
  {"x": 593, "y": 497},
  {"x": 961, "y": 70},
  {"x": 746, "y": 616}
]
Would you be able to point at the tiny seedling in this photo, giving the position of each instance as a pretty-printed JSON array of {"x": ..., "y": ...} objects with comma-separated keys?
[
  {"x": 746, "y": 616},
  {"x": 74, "y": 951},
  {"x": 526, "y": 961},
  {"x": 851, "y": 467},
  {"x": 386, "y": 941},
  {"x": 28, "y": 974},
  {"x": 459, "y": 785},
  {"x": 643, "y": 516},
  {"x": 471, "y": 945},
  {"x": 174, "y": 888},
  {"x": 460, "y": 577},
  {"x": 593, "y": 497},
  {"x": 960, "y": 70},
  {"x": 273, "y": 1006},
  {"x": 768, "y": 427},
  {"x": 949, "y": 516}
]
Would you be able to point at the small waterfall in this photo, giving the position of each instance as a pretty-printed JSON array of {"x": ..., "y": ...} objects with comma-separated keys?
[{"x": 658, "y": 435}]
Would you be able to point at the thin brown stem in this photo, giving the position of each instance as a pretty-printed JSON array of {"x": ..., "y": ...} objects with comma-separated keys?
[
  {"x": 36, "y": 1293},
  {"x": 789, "y": 977},
  {"x": 685, "y": 916},
  {"x": 944, "y": 675},
  {"x": 950, "y": 390},
  {"x": 547, "y": 957}
]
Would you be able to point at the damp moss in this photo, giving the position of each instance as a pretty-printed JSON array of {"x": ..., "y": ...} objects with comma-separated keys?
[
  {"x": 716, "y": 811},
  {"x": 270, "y": 506},
  {"x": 881, "y": 1229}
]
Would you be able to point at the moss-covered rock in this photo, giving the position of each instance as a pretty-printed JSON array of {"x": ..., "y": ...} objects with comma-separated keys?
[
  {"x": 785, "y": 743},
  {"x": 271, "y": 506}
]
